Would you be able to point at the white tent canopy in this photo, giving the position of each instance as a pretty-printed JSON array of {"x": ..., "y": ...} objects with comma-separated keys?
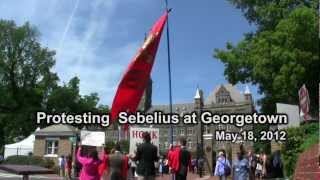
[{"x": 23, "y": 147}]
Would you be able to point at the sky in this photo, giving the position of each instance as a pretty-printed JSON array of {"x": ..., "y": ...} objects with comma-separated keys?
[{"x": 95, "y": 40}]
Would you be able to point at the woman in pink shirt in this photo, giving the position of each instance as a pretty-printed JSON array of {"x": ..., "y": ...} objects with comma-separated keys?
[{"x": 90, "y": 166}]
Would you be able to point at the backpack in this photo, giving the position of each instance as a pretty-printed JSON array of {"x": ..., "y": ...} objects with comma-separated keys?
[{"x": 227, "y": 169}]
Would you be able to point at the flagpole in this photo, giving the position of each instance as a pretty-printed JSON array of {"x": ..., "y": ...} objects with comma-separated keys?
[
  {"x": 169, "y": 75},
  {"x": 169, "y": 72}
]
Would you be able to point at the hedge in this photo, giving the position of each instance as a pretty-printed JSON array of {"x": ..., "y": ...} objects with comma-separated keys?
[{"x": 30, "y": 160}]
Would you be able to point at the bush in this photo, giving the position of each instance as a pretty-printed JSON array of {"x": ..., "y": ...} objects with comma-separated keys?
[
  {"x": 298, "y": 140},
  {"x": 30, "y": 160}
]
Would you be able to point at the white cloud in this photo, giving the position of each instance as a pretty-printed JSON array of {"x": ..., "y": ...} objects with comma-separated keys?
[{"x": 82, "y": 43}]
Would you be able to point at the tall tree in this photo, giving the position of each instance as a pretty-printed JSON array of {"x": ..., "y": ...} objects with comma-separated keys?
[
  {"x": 25, "y": 78},
  {"x": 67, "y": 99},
  {"x": 28, "y": 85},
  {"x": 281, "y": 55}
]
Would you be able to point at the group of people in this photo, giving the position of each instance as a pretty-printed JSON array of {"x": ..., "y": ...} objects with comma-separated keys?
[
  {"x": 249, "y": 166},
  {"x": 115, "y": 165},
  {"x": 65, "y": 166}
]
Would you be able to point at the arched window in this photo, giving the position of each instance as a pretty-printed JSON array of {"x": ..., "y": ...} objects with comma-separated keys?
[{"x": 223, "y": 96}]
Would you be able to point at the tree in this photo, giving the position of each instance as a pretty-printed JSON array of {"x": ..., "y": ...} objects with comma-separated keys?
[
  {"x": 67, "y": 99},
  {"x": 281, "y": 55},
  {"x": 25, "y": 78},
  {"x": 267, "y": 14},
  {"x": 28, "y": 85}
]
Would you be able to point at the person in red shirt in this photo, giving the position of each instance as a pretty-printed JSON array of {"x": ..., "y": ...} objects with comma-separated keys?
[
  {"x": 68, "y": 166},
  {"x": 170, "y": 156},
  {"x": 181, "y": 160},
  {"x": 103, "y": 168}
]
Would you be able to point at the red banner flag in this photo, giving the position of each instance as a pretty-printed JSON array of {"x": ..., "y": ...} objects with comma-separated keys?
[{"x": 135, "y": 79}]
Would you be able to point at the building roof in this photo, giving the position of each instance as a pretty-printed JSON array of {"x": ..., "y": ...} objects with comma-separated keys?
[
  {"x": 197, "y": 96},
  {"x": 57, "y": 130},
  {"x": 235, "y": 94},
  {"x": 176, "y": 108}
]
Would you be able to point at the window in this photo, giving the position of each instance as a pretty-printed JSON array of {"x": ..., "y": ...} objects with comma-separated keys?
[
  {"x": 174, "y": 132},
  {"x": 190, "y": 144},
  {"x": 181, "y": 132},
  {"x": 52, "y": 146},
  {"x": 190, "y": 131},
  {"x": 206, "y": 129},
  {"x": 223, "y": 96},
  {"x": 165, "y": 132}
]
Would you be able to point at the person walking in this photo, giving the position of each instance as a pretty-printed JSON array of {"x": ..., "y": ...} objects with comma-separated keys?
[
  {"x": 118, "y": 165},
  {"x": 259, "y": 167},
  {"x": 184, "y": 160},
  {"x": 133, "y": 167},
  {"x": 68, "y": 167},
  {"x": 252, "y": 164},
  {"x": 61, "y": 162},
  {"x": 103, "y": 168},
  {"x": 147, "y": 155},
  {"x": 241, "y": 167},
  {"x": 277, "y": 166},
  {"x": 90, "y": 165},
  {"x": 161, "y": 166},
  {"x": 170, "y": 155},
  {"x": 222, "y": 169}
]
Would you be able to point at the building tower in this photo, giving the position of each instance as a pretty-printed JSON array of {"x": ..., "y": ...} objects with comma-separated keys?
[
  {"x": 198, "y": 106},
  {"x": 247, "y": 94}
]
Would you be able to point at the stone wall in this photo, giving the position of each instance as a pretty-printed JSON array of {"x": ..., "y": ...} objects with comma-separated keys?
[{"x": 39, "y": 146}]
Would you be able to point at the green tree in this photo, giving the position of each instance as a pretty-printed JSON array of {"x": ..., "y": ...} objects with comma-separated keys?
[
  {"x": 28, "y": 85},
  {"x": 25, "y": 78},
  {"x": 67, "y": 99},
  {"x": 280, "y": 56}
]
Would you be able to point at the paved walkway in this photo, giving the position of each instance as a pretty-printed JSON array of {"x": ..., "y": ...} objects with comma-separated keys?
[
  {"x": 189, "y": 177},
  {"x": 8, "y": 176}
]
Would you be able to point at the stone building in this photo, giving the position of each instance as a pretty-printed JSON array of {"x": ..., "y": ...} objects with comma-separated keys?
[
  {"x": 54, "y": 141},
  {"x": 224, "y": 99}
]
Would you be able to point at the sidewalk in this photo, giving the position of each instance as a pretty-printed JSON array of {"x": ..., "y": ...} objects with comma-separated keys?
[{"x": 189, "y": 177}]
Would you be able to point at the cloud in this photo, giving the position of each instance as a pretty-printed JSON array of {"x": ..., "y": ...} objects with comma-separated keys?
[{"x": 80, "y": 33}]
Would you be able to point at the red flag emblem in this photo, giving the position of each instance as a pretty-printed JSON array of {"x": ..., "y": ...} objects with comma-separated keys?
[{"x": 136, "y": 77}]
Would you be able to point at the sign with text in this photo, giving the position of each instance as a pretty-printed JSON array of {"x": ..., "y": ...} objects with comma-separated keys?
[
  {"x": 136, "y": 137},
  {"x": 92, "y": 138}
]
